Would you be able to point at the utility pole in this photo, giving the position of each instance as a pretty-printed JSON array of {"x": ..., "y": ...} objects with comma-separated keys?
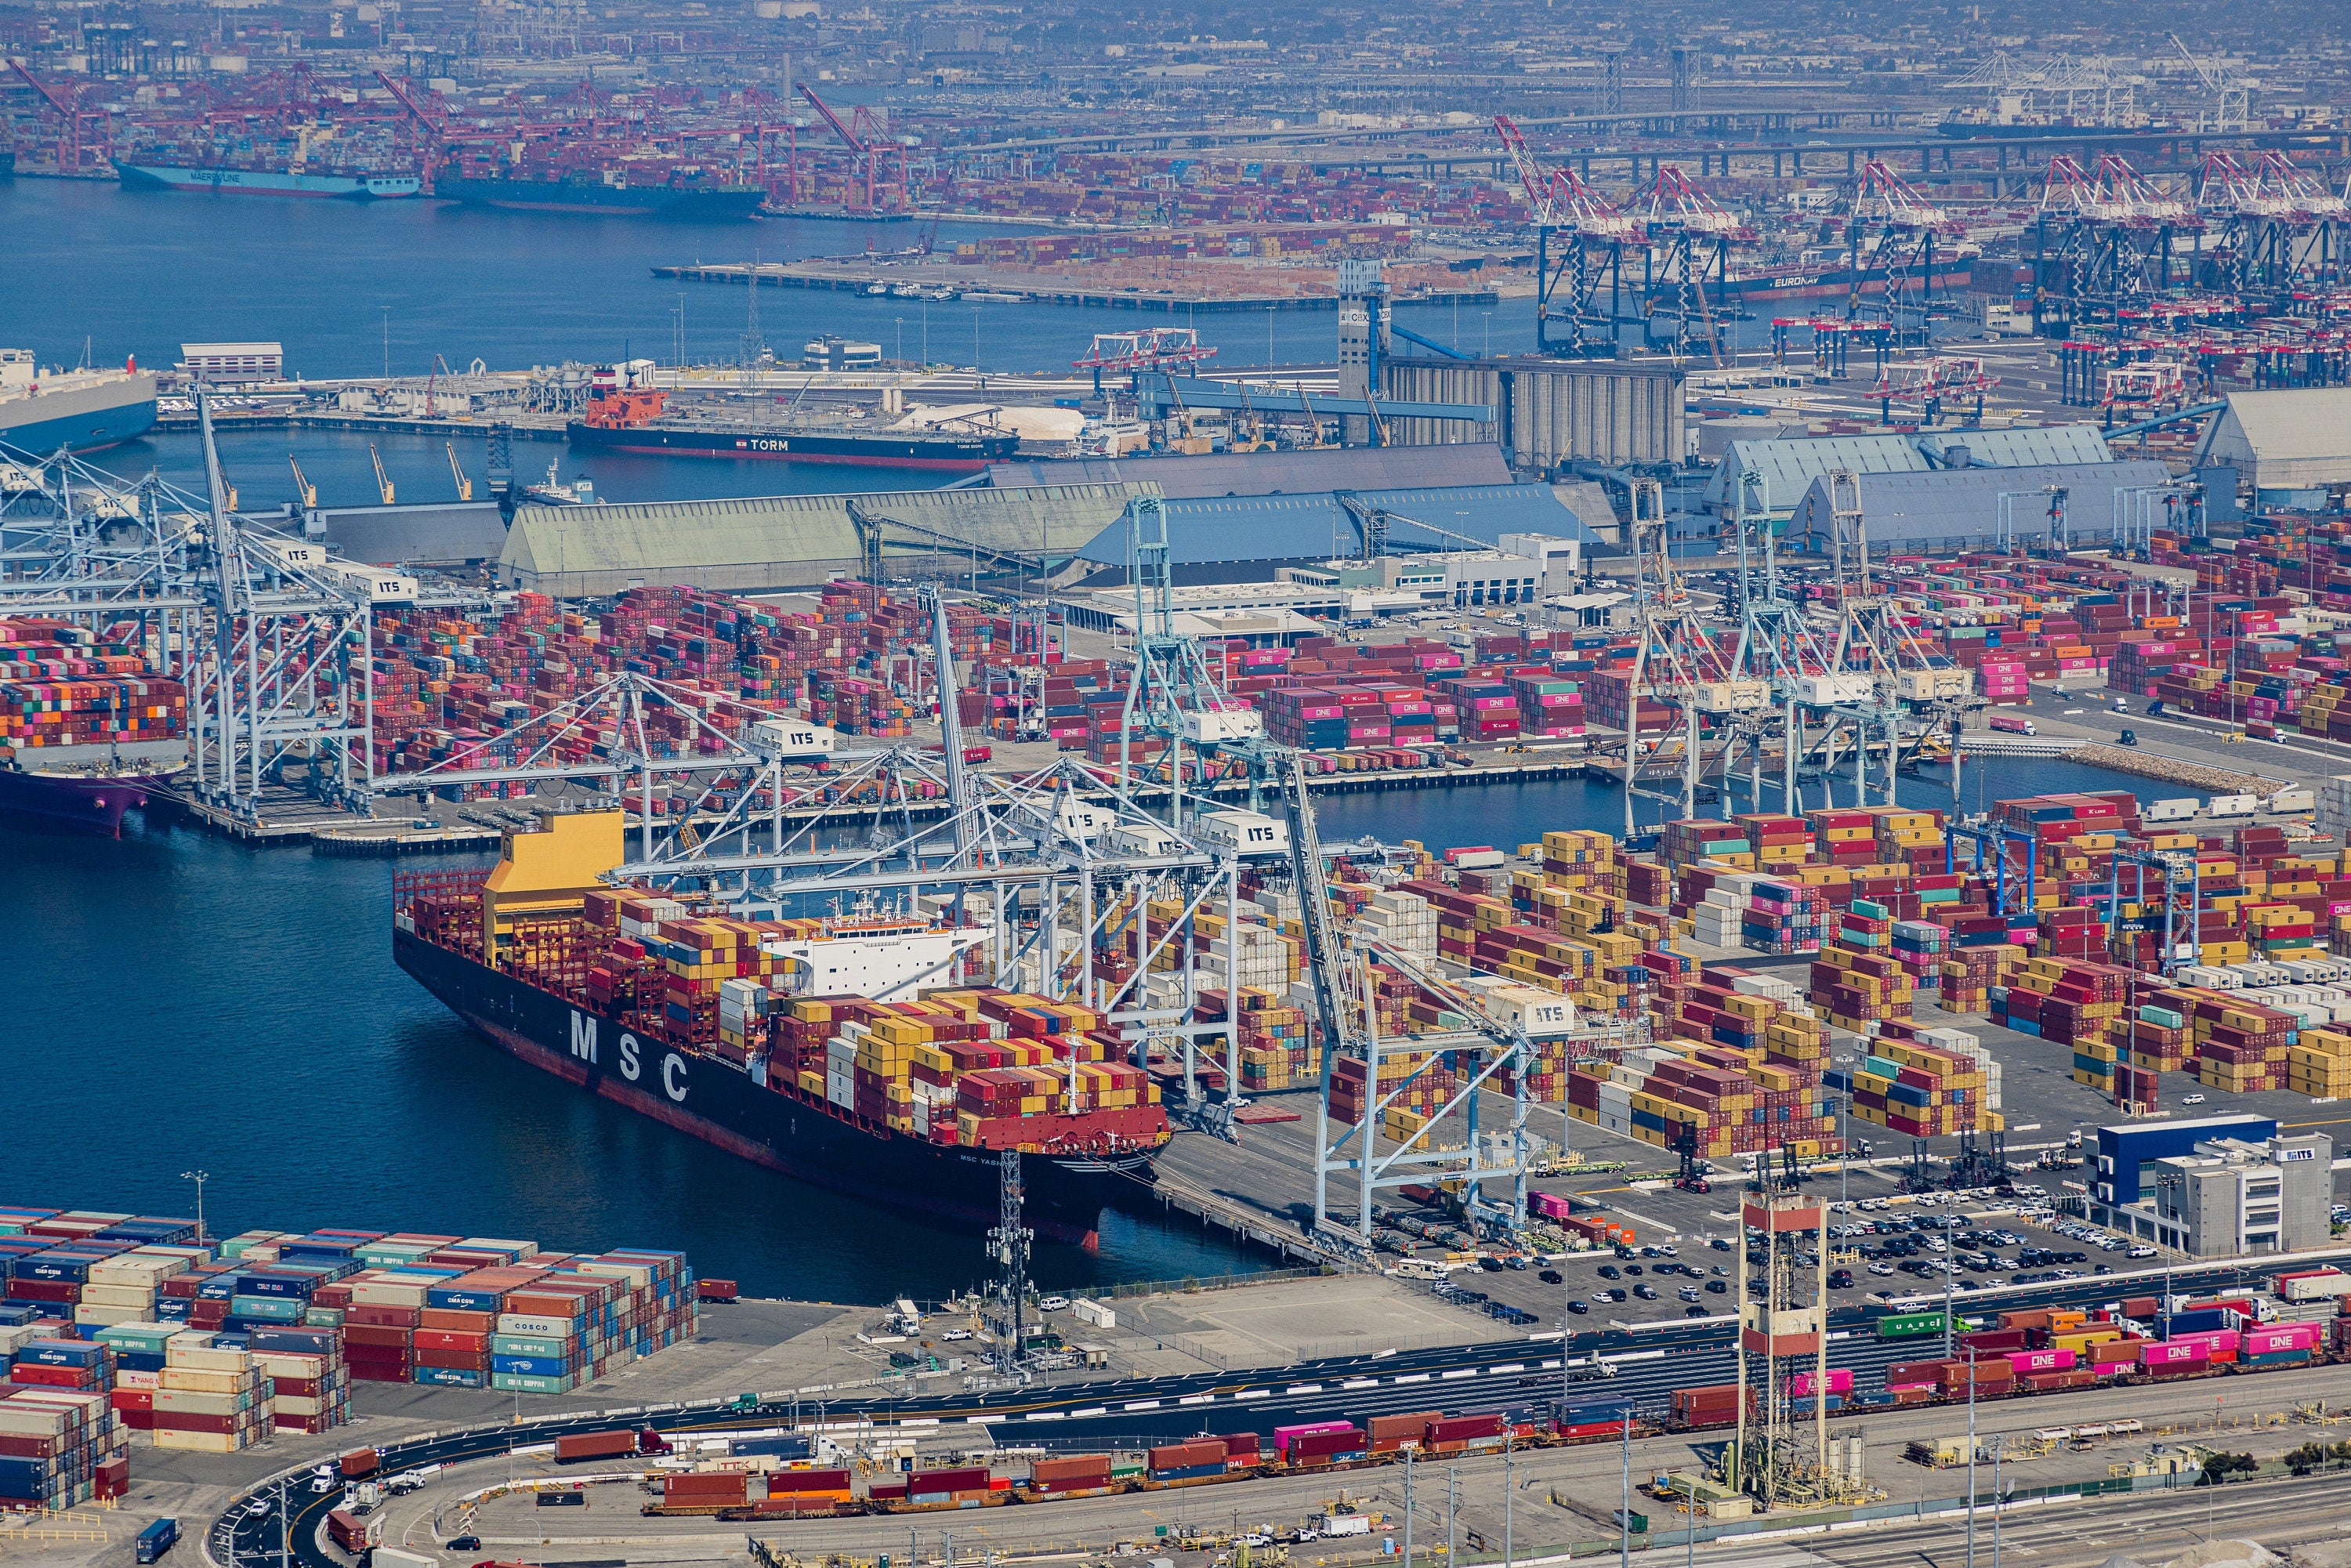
[
  {"x": 1451, "y": 1475},
  {"x": 1408, "y": 1450}
]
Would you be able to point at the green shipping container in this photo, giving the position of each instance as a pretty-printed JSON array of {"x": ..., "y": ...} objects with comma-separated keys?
[
  {"x": 524, "y": 1383},
  {"x": 1904, "y": 1324}
]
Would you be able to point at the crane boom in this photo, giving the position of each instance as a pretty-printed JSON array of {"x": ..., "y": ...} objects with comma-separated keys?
[
  {"x": 1325, "y": 961},
  {"x": 831, "y": 118},
  {"x": 304, "y": 491}
]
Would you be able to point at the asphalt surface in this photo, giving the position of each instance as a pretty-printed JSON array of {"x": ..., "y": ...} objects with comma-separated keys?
[{"x": 1647, "y": 1364}]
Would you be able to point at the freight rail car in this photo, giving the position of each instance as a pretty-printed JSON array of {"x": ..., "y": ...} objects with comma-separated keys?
[{"x": 1343, "y": 1444}]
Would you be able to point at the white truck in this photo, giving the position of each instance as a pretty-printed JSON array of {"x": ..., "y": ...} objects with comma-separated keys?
[
  {"x": 2235, "y": 805},
  {"x": 2181, "y": 810},
  {"x": 2286, "y": 802}
]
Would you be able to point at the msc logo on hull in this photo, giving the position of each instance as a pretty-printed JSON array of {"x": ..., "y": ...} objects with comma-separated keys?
[{"x": 674, "y": 1082}]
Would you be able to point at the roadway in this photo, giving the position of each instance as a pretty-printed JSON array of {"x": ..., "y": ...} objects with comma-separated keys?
[{"x": 1647, "y": 1364}]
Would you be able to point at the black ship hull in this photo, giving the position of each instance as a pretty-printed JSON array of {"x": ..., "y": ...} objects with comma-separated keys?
[
  {"x": 782, "y": 1130},
  {"x": 954, "y": 454}
]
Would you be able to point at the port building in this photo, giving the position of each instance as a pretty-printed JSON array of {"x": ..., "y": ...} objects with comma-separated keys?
[
  {"x": 1788, "y": 466},
  {"x": 1960, "y": 508},
  {"x": 1547, "y": 411},
  {"x": 762, "y": 542},
  {"x": 1324, "y": 468},
  {"x": 2284, "y": 442}
]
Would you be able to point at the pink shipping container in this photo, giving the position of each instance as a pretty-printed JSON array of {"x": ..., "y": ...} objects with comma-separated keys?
[
  {"x": 2172, "y": 1353},
  {"x": 1805, "y": 1384},
  {"x": 2216, "y": 1342},
  {"x": 2285, "y": 1336},
  {"x": 1284, "y": 1435},
  {"x": 2041, "y": 1360}
]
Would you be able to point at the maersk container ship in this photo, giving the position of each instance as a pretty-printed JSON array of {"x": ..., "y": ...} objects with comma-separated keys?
[
  {"x": 354, "y": 187},
  {"x": 541, "y": 1014},
  {"x": 80, "y": 410}
]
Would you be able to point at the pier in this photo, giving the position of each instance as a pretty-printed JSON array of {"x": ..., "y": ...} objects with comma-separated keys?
[{"x": 1000, "y": 290}]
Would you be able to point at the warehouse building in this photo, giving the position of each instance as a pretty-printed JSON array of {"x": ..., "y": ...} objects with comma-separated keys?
[
  {"x": 1270, "y": 473},
  {"x": 2292, "y": 445},
  {"x": 1547, "y": 411},
  {"x": 1247, "y": 539},
  {"x": 1960, "y": 508},
  {"x": 456, "y": 533},
  {"x": 1787, "y": 465},
  {"x": 797, "y": 542}
]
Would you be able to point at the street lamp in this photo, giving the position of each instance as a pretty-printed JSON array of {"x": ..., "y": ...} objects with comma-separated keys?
[{"x": 199, "y": 1177}]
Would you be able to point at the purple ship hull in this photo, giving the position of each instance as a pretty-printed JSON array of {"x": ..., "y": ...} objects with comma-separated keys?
[{"x": 93, "y": 804}]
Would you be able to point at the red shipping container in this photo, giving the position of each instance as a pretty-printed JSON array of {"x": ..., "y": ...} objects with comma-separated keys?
[{"x": 442, "y": 1339}]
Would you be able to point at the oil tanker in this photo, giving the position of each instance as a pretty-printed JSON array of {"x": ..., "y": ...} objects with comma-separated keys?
[
  {"x": 635, "y": 421},
  {"x": 846, "y": 1052}
]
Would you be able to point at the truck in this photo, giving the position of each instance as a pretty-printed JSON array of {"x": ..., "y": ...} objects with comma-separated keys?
[
  {"x": 2009, "y": 724},
  {"x": 620, "y": 1442},
  {"x": 2287, "y": 802},
  {"x": 2314, "y": 1284},
  {"x": 1346, "y": 1524},
  {"x": 2180, "y": 810},
  {"x": 2235, "y": 805},
  {"x": 156, "y": 1540},
  {"x": 360, "y": 1463}
]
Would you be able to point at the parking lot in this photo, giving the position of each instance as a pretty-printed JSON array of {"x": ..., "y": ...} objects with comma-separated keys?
[{"x": 1881, "y": 1243}]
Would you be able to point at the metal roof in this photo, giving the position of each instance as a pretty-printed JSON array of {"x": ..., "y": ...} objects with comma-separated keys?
[
  {"x": 1271, "y": 472},
  {"x": 427, "y": 535},
  {"x": 784, "y": 541},
  {"x": 2022, "y": 447},
  {"x": 1789, "y": 465},
  {"x": 2287, "y": 440},
  {"x": 1277, "y": 529},
  {"x": 1964, "y": 503}
]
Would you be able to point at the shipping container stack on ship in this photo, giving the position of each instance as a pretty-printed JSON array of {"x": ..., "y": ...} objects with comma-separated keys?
[{"x": 86, "y": 726}]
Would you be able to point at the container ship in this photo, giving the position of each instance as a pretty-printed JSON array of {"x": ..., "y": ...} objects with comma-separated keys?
[
  {"x": 85, "y": 731},
  {"x": 846, "y": 1052},
  {"x": 1808, "y": 281},
  {"x": 80, "y": 410},
  {"x": 606, "y": 193},
  {"x": 356, "y": 186},
  {"x": 635, "y": 420}
]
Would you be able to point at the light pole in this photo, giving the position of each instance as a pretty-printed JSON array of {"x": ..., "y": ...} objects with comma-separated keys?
[
  {"x": 199, "y": 1177},
  {"x": 1268, "y": 335},
  {"x": 1510, "y": 1495},
  {"x": 1624, "y": 1510},
  {"x": 1408, "y": 1450},
  {"x": 926, "y": 333},
  {"x": 899, "y": 322},
  {"x": 1971, "y": 1457},
  {"x": 1450, "y": 1475},
  {"x": 974, "y": 341},
  {"x": 1998, "y": 1500},
  {"x": 1489, "y": 332},
  {"x": 387, "y": 375}
]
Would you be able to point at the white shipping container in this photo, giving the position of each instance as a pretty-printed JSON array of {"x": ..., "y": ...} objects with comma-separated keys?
[
  {"x": 2178, "y": 810},
  {"x": 2317, "y": 1287},
  {"x": 2293, "y": 800},
  {"x": 2235, "y": 805}
]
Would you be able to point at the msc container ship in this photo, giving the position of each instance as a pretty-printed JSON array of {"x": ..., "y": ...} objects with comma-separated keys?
[
  {"x": 604, "y": 192},
  {"x": 635, "y": 421},
  {"x": 608, "y": 990},
  {"x": 86, "y": 733}
]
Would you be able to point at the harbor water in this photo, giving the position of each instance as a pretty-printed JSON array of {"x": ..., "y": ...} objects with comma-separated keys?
[{"x": 179, "y": 1002}]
